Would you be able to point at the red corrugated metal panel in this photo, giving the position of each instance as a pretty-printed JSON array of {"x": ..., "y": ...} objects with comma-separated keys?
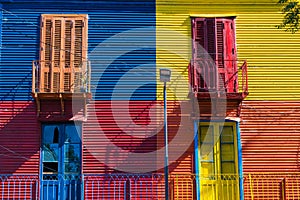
[
  {"x": 20, "y": 138},
  {"x": 270, "y": 133},
  {"x": 206, "y": 108},
  {"x": 115, "y": 131},
  {"x": 183, "y": 165},
  {"x": 55, "y": 110}
]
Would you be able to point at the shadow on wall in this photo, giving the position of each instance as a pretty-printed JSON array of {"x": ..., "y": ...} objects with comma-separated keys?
[
  {"x": 19, "y": 137},
  {"x": 270, "y": 136},
  {"x": 112, "y": 144},
  {"x": 20, "y": 91}
]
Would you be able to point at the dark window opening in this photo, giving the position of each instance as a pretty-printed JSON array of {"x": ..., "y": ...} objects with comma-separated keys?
[
  {"x": 50, "y": 167},
  {"x": 56, "y": 136}
]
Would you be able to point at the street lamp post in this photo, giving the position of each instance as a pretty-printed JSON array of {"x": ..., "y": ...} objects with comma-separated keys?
[{"x": 165, "y": 75}]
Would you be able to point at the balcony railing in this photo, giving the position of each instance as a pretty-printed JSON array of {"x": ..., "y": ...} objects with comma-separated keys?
[
  {"x": 96, "y": 187},
  {"x": 265, "y": 186},
  {"x": 51, "y": 77},
  {"x": 210, "y": 76}
]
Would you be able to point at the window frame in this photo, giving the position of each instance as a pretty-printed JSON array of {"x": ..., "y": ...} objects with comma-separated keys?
[
  {"x": 55, "y": 75},
  {"x": 213, "y": 61},
  {"x": 61, "y": 150},
  {"x": 214, "y": 186},
  {"x": 217, "y": 145}
]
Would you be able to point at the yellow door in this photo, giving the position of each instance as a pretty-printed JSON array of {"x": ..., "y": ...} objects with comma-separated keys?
[{"x": 218, "y": 161}]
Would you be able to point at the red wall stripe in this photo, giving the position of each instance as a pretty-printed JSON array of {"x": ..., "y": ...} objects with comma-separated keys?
[
  {"x": 270, "y": 136},
  {"x": 112, "y": 135},
  {"x": 20, "y": 138},
  {"x": 138, "y": 132}
]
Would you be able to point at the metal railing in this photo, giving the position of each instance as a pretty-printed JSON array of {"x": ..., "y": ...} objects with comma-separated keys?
[
  {"x": 19, "y": 187},
  {"x": 137, "y": 186},
  {"x": 220, "y": 186},
  {"x": 56, "y": 77},
  {"x": 272, "y": 186},
  {"x": 256, "y": 186},
  {"x": 105, "y": 186},
  {"x": 230, "y": 76}
]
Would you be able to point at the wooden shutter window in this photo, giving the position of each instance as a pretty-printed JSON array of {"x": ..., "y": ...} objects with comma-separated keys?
[
  {"x": 68, "y": 43},
  {"x": 216, "y": 36},
  {"x": 199, "y": 32},
  {"x": 63, "y": 52},
  {"x": 204, "y": 52},
  {"x": 79, "y": 25},
  {"x": 47, "y": 39},
  {"x": 220, "y": 44},
  {"x": 57, "y": 42}
]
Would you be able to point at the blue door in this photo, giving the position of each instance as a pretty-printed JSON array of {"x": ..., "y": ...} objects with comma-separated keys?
[{"x": 61, "y": 161}]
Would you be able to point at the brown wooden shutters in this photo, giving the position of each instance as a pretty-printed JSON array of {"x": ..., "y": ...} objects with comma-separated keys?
[
  {"x": 63, "y": 52},
  {"x": 214, "y": 54}
]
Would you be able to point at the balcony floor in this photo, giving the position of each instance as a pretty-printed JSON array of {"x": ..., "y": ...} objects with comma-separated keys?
[
  {"x": 65, "y": 95},
  {"x": 234, "y": 96}
]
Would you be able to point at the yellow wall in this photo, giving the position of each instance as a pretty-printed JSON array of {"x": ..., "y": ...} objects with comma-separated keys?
[{"x": 273, "y": 55}]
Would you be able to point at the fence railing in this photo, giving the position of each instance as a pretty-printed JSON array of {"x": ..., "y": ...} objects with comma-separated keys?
[
  {"x": 60, "y": 77},
  {"x": 220, "y": 186},
  {"x": 19, "y": 187},
  {"x": 256, "y": 186},
  {"x": 275, "y": 186},
  {"x": 207, "y": 75}
]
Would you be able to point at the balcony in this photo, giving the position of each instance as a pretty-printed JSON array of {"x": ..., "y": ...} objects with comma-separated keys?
[
  {"x": 60, "y": 81},
  {"x": 214, "y": 79},
  {"x": 50, "y": 80},
  {"x": 148, "y": 186}
]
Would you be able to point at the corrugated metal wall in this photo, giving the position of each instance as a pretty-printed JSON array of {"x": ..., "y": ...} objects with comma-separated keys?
[
  {"x": 110, "y": 138},
  {"x": 272, "y": 54},
  {"x": 112, "y": 141},
  {"x": 127, "y": 35},
  {"x": 270, "y": 136},
  {"x": 269, "y": 116},
  {"x": 123, "y": 72},
  {"x": 20, "y": 138},
  {"x": 116, "y": 57}
]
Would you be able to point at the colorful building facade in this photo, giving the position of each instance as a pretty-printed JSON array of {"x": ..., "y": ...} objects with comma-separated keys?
[{"x": 82, "y": 101}]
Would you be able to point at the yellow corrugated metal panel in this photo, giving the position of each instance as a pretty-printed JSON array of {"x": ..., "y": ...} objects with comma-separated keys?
[
  {"x": 173, "y": 52},
  {"x": 273, "y": 55}
]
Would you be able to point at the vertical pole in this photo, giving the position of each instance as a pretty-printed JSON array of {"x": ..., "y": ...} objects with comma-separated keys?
[
  {"x": 196, "y": 153},
  {"x": 240, "y": 162},
  {"x": 166, "y": 144}
]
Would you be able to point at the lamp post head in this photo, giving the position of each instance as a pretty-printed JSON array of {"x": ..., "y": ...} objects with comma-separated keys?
[{"x": 165, "y": 74}]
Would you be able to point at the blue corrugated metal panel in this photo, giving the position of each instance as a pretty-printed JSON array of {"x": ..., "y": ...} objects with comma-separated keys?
[
  {"x": 121, "y": 72},
  {"x": 0, "y": 32},
  {"x": 60, "y": 6}
]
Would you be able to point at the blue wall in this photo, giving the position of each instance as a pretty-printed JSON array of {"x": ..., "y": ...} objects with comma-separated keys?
[
  {"x": 121, "y": 46},
  {"x": 0, "y": 33}
]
